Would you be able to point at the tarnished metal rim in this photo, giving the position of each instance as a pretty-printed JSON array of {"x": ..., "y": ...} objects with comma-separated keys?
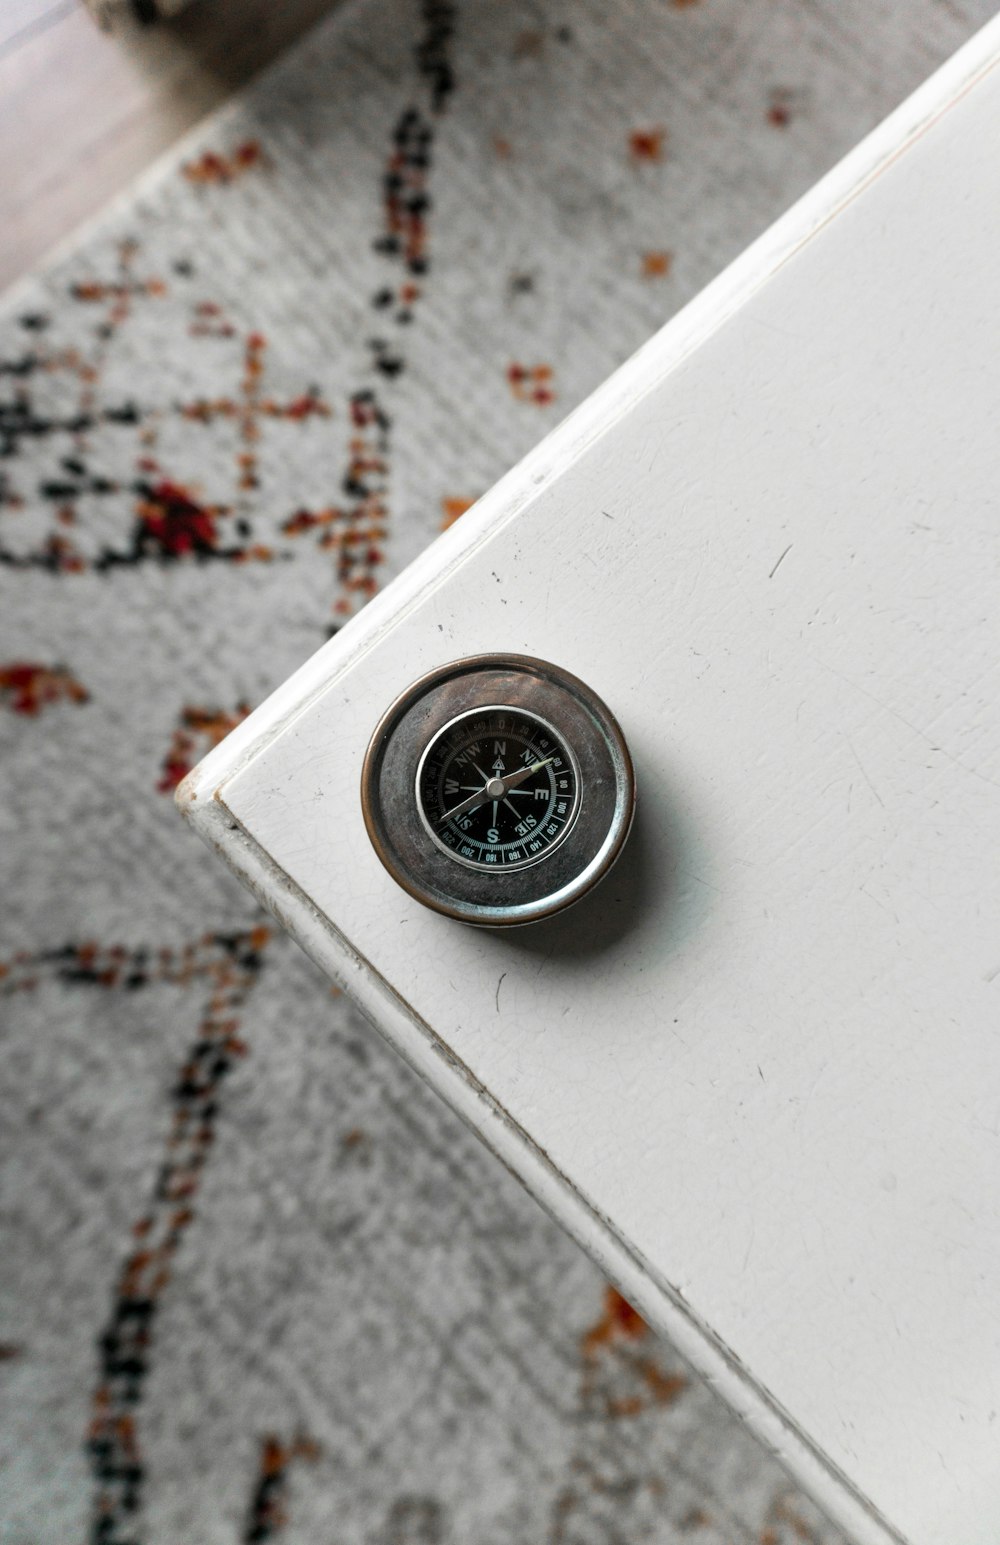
[{"x": 433, "y": 891}]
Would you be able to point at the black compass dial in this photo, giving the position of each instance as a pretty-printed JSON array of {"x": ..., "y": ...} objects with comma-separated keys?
[{"x": 497, "y": 788}]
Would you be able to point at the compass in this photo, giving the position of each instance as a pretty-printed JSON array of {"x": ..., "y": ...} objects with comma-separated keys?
[{"x": 498, "y": 789}]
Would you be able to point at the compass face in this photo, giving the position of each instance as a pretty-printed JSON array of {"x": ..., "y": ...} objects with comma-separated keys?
[{"x": 497, "y": 788}]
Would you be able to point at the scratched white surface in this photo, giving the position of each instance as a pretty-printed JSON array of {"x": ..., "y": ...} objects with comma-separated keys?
[{"x": 767, "y": 1053}]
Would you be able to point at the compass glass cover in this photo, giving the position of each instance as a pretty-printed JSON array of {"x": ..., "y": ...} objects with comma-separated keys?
[{"x": 497, "y": 788}]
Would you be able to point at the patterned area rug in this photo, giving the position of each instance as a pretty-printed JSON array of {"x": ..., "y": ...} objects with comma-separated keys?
[{"x": 255, "y": 1280}]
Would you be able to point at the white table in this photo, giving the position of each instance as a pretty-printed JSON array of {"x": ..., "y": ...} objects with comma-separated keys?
[{"x": 757, "y": 1075}]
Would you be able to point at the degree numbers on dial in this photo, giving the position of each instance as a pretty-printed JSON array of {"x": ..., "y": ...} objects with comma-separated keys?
[{"x": 497, "y": 789}]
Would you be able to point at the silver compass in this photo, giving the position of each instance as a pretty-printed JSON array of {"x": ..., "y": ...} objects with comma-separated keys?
[{"x": 498, "y": 789}]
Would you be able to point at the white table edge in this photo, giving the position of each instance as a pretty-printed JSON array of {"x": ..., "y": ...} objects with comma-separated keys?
[{"x": 201, "y": 795}]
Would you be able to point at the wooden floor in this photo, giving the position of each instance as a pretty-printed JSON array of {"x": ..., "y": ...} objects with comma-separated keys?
[{"x": 83, "y": 111}]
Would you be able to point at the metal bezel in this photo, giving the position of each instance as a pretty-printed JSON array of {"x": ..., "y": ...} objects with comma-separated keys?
[
  {"x": 471, "y": 713},
  {"x": 475, "y": 894}
]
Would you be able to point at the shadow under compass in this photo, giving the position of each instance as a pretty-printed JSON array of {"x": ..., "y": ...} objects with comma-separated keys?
[{"x": 653, "y": 896}]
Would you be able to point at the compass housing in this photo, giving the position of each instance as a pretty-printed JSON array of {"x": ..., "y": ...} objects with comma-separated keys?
[{"x": 537, "y": 884}]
